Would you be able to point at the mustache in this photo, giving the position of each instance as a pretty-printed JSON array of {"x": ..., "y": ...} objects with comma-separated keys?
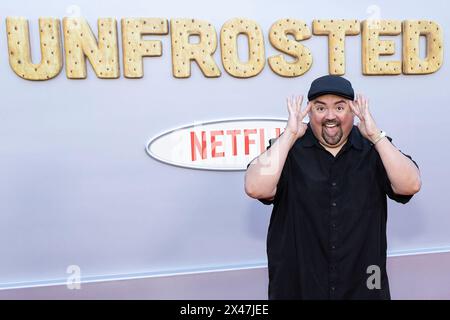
[{"x": 336, "y": 122}]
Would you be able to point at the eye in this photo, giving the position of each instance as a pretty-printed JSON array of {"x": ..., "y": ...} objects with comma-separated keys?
[
  {"x": 340, "y": 107},
  {"x": 320, "y": 108}
]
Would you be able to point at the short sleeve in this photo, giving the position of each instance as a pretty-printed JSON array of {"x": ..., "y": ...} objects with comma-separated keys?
[
  {"x": 387, "y": 183},
  {"x": 281, "y": 181}
]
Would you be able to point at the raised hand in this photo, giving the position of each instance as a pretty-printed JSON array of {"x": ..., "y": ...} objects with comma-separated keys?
[
  {"x": 295, "y": 122},
  {"x": 366, "y": 125}
]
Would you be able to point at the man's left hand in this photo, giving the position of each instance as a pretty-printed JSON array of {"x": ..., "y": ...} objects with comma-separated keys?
[{"x": 366, "y": 125}]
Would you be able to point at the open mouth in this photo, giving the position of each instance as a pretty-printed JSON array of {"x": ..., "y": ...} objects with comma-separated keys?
[{"x": 331, "y": 128}]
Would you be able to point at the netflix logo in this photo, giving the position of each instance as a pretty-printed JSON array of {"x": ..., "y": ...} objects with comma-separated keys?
[{"x": 215, "y": 145}]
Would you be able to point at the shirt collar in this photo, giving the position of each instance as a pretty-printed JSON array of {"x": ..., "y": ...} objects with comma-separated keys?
[{"x": 355, "y": 138}]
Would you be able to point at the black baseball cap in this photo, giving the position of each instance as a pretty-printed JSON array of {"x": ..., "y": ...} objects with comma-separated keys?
[{"x": 331, "y": 84}]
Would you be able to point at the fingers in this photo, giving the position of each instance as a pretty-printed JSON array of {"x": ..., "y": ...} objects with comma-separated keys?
[
  {"x": 294, "y": 104},
  {"x": 300, "y": 114},
  {"x": 360, "y": 102},
  {"x": 363, "y": 99},
  {"x": 354, "y": 106},
  {"x": 364, "y": 104},
  {"x": 289, "y": 105},
  {"x": 299, "y": 102},
  {"x": 307, "y": 109},
  {"x": 360, "y": 107}
]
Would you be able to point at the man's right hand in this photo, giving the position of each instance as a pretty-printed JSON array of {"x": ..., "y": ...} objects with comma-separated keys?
[
  {"x": 262, "y": 177},
  {"x": 295, "y": 123}
]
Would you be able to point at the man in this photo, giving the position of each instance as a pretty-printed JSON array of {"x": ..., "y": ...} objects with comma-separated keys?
[{"x": 328, "y": 181}]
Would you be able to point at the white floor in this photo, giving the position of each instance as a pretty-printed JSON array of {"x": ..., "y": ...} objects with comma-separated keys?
[{"x": 421, "y": 276}]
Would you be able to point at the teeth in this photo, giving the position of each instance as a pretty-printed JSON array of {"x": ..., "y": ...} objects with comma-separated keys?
[{"x": 330, "y": 125}]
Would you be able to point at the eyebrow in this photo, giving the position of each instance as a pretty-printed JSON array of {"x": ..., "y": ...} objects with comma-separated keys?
[{"x": 321, "y": 102}]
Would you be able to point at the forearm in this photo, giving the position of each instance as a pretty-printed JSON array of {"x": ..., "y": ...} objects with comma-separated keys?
[
  {"x": 264, "y": 172},
  {"x": 402, "y": 172}
]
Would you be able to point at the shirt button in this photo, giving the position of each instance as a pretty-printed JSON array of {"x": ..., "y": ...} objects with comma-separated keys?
[
  {"x": 333, "y": 225},
  {"x": 334, "y": 204},
  {"x": 333, "y": 288},
  {"x": 333, "y": 247},
  {"x": 333, "y": 184}
]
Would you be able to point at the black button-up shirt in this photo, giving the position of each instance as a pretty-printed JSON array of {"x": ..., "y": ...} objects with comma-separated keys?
[{"x": 328, "y": 223}]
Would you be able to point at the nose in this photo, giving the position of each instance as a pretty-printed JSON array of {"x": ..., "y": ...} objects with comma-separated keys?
[{"x": 330, "y": 115}]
